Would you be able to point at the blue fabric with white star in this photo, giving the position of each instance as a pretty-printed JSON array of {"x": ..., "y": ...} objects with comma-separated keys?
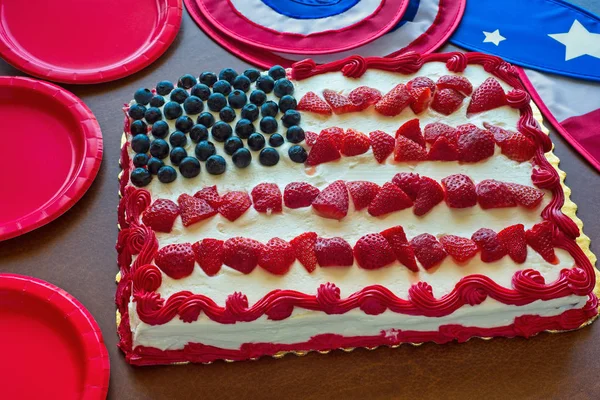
[{"x": 547, "y": 35}]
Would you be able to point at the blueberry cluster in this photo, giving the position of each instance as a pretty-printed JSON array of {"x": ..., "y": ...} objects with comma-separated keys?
[{"x": 226, "y": 95}]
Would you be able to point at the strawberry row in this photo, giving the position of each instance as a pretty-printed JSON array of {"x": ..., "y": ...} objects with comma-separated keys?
[{"x": 371, "y": 251}]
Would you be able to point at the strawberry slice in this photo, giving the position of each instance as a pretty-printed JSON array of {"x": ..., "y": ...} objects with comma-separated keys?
[
  {"x": 209, "y": 255},
  {"x": 490, "y": 245},
  {"x": 411, "y": 130},
  {"x": 408, "y": 150},
  {"x": 488, "y": 96},
  {"x": 333, "y": 201},
  {"x": 161, "y": 215},
  {"x": 340, "y": 104},
  {"x": 210, "y": 195},
  {"x": 430, "y": 194},
  {"x": 355, "y": 143},
  {"x": 362, "y": 193},
  {"x": 382, "y": 145},
  {"x": 313, "y": 103},
  {"x": 475, "y": 145},
  {"x": 373, "y": 251},
  {"x": 394, "y": 101},
  {"x": 277, "y": 256},
  {"x": 241, "y": 253},
  {"x": 421, "y": 82},
  {"x": 310, "y": 138},
  {"x": 333, "y": 252},
  {"x": 404, "y": 253},
  {"x": 459, "y": 248},
  {"x": 539, "y": 237},
  {"x": 335, "y": 134},
  {"x": 443, "y": 150},
  {"x": 513, "y": 240},
  {"x": 193, "y": 209},
  {"x": 456, "y": 82},
  {"x": 304, "y": 250},
  {"x": 460, "y": 191},
  {"x": 428, "y": 250},
  {"x": 234, "y": 205},
  {"x": 494, "y": 194},
  {"x": 176, "y": 260},
  {"x": 389, "y": 199},
  {"x": 324, "y": 150},
  {"x": 446, "y": 101},
  {"x": 526, "y": 196},
  {"x": 421, "y": 99},
  {"x": 409, "y": 182},
  {"x": 363, "y": 96},
  {"x": 518, "y": 147},
  {"x": 299, "y": 194},
  {"x": 267, "y": 198},
  {"x": 465, "y": 128},
  {"x": 433, "y": 131}
]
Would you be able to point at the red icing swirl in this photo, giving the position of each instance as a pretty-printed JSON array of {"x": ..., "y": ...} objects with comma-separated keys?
[
  {"x": 328, "y": 295},
  {"x": 147, "y": 278},
  {"x": 136, "y": 239},
  {"x": 137, "y": 201},
  {"x": 355, "y": 67},
  {"x": 518, "y": 98},
  {"x": 236, "y": 305},
  {"x": 457, "y": 62},
  {"x": 544, "y": 179}
]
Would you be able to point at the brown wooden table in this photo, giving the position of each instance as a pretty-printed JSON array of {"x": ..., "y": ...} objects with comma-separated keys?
[{"x": 76, "y": 252}]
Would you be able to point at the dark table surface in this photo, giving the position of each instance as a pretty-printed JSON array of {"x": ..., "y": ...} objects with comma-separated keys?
[{"x": 76, "y": 252}]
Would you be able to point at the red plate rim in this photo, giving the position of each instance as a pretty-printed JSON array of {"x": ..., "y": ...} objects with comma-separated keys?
[
  {"x": 98, "y": 364},
  {"x": 87, "y": 170},
  {"x": 22, "y": 60}
]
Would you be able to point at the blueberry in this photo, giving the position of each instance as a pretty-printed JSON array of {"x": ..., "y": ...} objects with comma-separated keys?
[
  {"x": 159, "y": 148},
  {"x": 140, "y": 143},
  {"x": 268, "y": 157},
  {"x": 140, "y": 177},
  {"x": 227, "y": 114},
  {"x": 242, "y": 158},
  {"x": 186, "y": 81},
  {"x": 201, "y": 91},
  {"x": 276, "y": 140},
  {"x": 269, "y": 109},
  {"x": 189, "y": 167},
  {"x": 142, "y": 96},
  {"x": 242, "y": 83},
  {"x": 287, "y": 102},
  {"x": 232, "y": 144},
  {"x": 184, "y": 124},
  {"x": 167, "y": 174},
  {"x": 137, "y": 111},
  {"x": 244, "y": 128},
  {"x": 198, "y": 133},
  {"x": 177, "y": 154},
  {"x": 160, "y": 129},
  {"x": 157, "y": 101},
  {"x": 193, "y": 105},
  {"x": 153, "y": 114},
  {"x": 138, "y": 126},
  {"x": 252, "y": 74},
  {"x": 178, "y": 139},
  {"x": 283, "y": 87},
  {"x": 206, "y": 119},
  {"x": 221, "y": 131},
  {"x": 237, "y": 99},
  {"x": 250, "y": 111},
  {"x": 154, "y": 165},
  {"x": 297, "y": 154},
  {"x": 268, "y": 125},
  {"x": 208, "y": 78},
  {"x": 172, "y": 110},
  {"x": 216, "y": 102},
  {"x": 265, "y": 83},
  {"x": 295, "y": 134},
  {"x": 222, "y": 87},
  {"x": 140, "y": 159},
  {"x": 179, "y": 95},
  {"x": 277, "y": 72},
  {"x": 256, "y": 141},
  {"x": 228, "y": 75},
  {"x": 290, "y": 118},
  {"x": 258, "y": 97},
  {"x": 216, "y": 165},
  {"x": 164, "y": 87},
  {"x": 204, "y": 149}
]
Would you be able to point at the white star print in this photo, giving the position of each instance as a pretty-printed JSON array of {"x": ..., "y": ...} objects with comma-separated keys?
[
  {"x": 578, "y": 42},
  {"x": 493, "y": 37}
]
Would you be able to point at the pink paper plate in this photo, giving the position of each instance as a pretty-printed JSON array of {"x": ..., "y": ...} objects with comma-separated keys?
[
  {"x": 86, "y": 41},
  {"x": 51, "y": 346},
  {"x": 51, "y": 151}
]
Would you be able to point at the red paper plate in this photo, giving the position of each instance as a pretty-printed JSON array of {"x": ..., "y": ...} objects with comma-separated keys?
[
  {"x": 51, "y": 151},
  {"x": 86, "y": 41},
  {"x": 51, "y": 346}
]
